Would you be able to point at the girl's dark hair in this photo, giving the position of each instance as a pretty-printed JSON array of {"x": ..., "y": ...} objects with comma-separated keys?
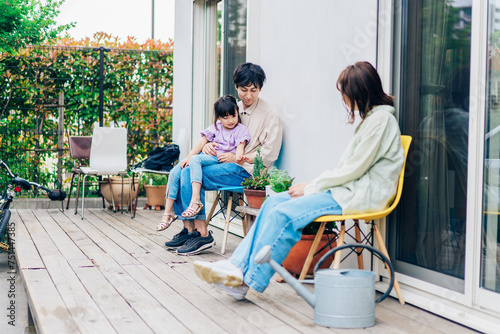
[
  {"x": 224, "y": 106},
  {"x": 249, "y": 74},
  {"x": 360, "y": 84}
]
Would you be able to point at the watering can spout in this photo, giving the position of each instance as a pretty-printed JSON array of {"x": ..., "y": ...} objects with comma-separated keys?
[{"x": 264, "y": 255}]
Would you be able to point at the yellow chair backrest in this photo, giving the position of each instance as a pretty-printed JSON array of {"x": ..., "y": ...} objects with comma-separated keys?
[{"x": 405, "y": 141}]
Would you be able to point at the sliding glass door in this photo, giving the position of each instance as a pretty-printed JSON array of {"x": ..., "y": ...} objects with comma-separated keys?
[
  {"x": 489, "y": 272},
  {"x": 429, "y": 239}
]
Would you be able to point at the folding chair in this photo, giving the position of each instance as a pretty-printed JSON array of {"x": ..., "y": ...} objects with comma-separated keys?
[{"x": 226, "y": 208}]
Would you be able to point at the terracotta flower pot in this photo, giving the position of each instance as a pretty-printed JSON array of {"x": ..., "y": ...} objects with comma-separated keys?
[
  {"x": 255, "y": 198},
  {"x": 155, "y": 194},
  {"x": 116, "y": 184},
  {"x": 298, "y": 254}
]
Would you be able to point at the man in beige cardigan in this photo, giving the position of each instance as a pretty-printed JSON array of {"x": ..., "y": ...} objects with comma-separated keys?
[{"x": 264, "y": 124}]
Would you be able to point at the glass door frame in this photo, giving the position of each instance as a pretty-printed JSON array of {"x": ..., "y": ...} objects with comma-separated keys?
[
  {"x": 472, "y": 295},
  {"x": 479, "y": 296}
]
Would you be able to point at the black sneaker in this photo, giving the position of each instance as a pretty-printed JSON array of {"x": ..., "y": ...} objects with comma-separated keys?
[
  {"x": 196, "y": 244},
  {"x": 179, "y": 239}
]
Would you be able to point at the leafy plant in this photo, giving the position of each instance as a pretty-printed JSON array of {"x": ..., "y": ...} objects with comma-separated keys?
[
  {"x": 155, "y": 179},
  {"x": 26, "y": 22},
  {"x": 137, "y": 92},
  {"x": 260, "y": 178},
  {"x": 279, "y": 179}
]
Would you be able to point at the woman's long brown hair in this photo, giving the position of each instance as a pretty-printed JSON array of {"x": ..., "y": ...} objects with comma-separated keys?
[{"x": 360, "y": 85}]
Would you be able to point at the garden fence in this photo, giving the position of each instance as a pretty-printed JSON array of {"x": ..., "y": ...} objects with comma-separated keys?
[{"x": 50, "y": 93}]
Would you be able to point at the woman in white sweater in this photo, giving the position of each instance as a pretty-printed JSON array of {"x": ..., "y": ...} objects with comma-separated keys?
[{"x": 364, "y": 181}]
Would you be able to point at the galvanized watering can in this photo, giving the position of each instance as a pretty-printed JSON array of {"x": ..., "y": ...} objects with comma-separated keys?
[{"x": 343, "y": 298}]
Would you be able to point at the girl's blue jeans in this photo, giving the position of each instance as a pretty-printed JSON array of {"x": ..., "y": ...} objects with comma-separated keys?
[
  {"x": 279, "y": 224},
  {"x": 212, "y": 174}
]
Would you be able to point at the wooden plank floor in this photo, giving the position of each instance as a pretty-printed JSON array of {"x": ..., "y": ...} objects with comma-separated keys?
[{"x": 109, "y": 273}]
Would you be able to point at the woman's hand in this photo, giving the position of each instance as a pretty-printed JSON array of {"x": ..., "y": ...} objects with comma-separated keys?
[
  {"x": 185, "y": 163},
  {"x": 209, "y": 149},
  {"x": 297, "y": 190}
]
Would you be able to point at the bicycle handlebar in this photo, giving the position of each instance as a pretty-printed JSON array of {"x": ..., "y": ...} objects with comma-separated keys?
[
  {"x": 39, "y": 186},
  {"x": 4, "y": 165},
  {"x": 33, "y": 185}
]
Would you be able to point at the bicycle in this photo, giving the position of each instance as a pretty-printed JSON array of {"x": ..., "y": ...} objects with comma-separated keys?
[{"x": 15, "y": 186}]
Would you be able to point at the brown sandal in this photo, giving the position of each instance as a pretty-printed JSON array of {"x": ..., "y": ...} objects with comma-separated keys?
[
  {"x": 191, "y": 212},
  {"x": 166, "y": 222}
]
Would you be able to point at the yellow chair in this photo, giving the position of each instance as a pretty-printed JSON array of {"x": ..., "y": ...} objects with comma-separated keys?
[{"x": 369, "y": 218}]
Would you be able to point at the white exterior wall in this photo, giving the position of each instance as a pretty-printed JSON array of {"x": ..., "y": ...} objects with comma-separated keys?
[
  {"x": 293, "y": 42},
  {"x": 296, "y": 45},
  {"x": 183, "y": 74}
]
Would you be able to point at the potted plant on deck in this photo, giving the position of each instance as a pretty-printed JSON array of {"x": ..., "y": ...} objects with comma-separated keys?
[
  {"x": 255, "y": 186},
  {"x": 279, "y": 181},
  {"x": 155, "y": 186}
]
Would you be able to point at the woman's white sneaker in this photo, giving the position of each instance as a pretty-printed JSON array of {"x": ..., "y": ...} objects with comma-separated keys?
[{"x": 223, "y": 272}]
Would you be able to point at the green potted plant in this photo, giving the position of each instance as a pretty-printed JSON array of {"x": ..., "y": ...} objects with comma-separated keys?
[
  {"x": 279, "y": 180},
  {"x": 255, "y": 186},
  {"x": 155, "y": 186}
]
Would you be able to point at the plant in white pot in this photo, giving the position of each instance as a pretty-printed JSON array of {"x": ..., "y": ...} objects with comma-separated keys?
[{"x": 155, "y": 186}]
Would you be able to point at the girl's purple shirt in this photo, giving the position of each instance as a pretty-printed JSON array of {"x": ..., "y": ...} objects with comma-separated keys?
[{"x": 228, "y": 140}]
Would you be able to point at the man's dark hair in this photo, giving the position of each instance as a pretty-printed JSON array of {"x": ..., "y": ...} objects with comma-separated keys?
[{"x": 249, "y": 74}]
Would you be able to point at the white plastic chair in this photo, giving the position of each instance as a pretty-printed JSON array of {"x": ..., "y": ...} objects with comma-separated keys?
[{"x": 108, "y": 155}]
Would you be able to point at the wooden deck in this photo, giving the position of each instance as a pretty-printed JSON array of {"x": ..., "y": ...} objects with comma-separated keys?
[{"x": 112, "y": 274}]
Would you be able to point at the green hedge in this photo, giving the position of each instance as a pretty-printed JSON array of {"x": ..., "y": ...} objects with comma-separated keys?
[{"x": 137, "y": 95}]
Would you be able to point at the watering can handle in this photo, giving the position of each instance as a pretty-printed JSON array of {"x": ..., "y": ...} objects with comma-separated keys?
[{"x": 371, "y": 249}]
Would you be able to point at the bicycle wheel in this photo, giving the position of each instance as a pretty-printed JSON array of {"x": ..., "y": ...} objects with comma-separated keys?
[{"x": 4, "y": 235}]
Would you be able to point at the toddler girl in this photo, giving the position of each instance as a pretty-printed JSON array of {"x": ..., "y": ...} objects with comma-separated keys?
[{"x": 229, "y": 135}]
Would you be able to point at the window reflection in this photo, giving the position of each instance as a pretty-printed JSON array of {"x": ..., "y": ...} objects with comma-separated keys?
[
  {"x": 490, "y": 255},
  {"x": 231, "y": 43},
  {"x": 435, "y": 111}
]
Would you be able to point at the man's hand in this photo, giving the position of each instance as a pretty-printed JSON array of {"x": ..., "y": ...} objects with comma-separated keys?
[
  {"x": 297, "y": 190},
  {"x": 209, "y": 149},
  {"x": 226, "y": 157}
]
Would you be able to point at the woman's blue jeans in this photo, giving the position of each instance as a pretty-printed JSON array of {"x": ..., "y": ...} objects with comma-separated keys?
[
  {"x": 214, "y": 177},
  {"x": 279, "y": 224}
]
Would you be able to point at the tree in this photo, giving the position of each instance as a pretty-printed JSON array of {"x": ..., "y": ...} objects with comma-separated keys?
[{"x": 25, "y": 22}]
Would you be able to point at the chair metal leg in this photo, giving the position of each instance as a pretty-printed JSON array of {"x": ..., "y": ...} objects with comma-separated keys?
[
  {"x": 338, "y": 255},
  {"x": 212, "y": 209},
  {"x": 70, "y": 189},
  {"x": 358, "y": 240},
  {"x": 133, "y": 207},
  {"x": 313, "y": 249},
  {"x": 228, "y": 220},
  {"x": 383, "y": 250},
  {"x": 112, "y": 195},
  {"x": 77, "y": 193},
  {"x": 121, "y": 203},
  {"x": 83, "y": 195}
]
